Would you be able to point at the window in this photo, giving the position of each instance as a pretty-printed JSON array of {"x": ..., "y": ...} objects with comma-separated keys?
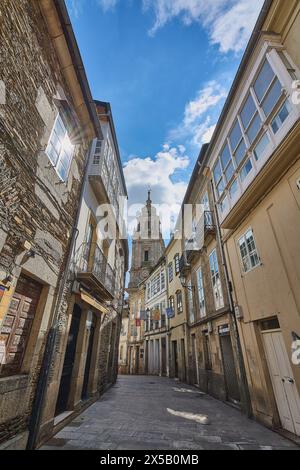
[
  {"x": 60, "y": 149},
  {"x": 97, "y": 154},
  {"x": 216, "y": 281},
  {"x": 264, "y": 111},
  {"x": 281, "y": 117},
  {"x": 261, "y": 147},
  {"x": 179, "y": 302},
  {"x": 172, "y": 303},
  {"x": 121, "y": 353},
  {"x": 201, "y": 295},
  {"x": 191, "y": 302},
  {"x": 170, "y": 272},
  {"x": 162, "y": 280},
  {"x": 248, "y": 251},
  {"x": 207, "y": 351},
  {"x": 177, "y": 260},
  {"x": 146, "y": 255}
]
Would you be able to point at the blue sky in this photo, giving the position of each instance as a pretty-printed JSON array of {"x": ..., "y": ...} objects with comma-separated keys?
[{"x": 166, "y": 67}]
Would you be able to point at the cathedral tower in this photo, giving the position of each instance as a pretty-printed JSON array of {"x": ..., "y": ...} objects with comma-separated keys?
[{"x": 147, "y": 244}]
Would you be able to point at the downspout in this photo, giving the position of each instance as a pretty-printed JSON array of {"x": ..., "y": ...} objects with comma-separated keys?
[
  {"x": 37, "y": 408},
  {"x": 244, "y": 383}
]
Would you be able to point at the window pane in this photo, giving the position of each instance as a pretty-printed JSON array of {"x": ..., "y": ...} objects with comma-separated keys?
[
  {"x": 235, "y": 136},
  {"x": 272, "y": 97},
  {"x": 261, "y": 147},
  {"x": 281, "y": 117},
  {"x": 224, "y": 204},
  {"x": 254, "y": 128},
  {"x": 217, "y": 172},
  {"x": 246, "y": 170},
  {"x": 225, "y": 156},
  {"x": 240, "y": 152},
  {"x": 263, "y": 81},
  {"x": 248, "y": 111}
]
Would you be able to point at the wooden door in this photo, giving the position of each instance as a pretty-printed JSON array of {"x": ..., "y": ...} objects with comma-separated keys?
[
  {"x": 285, "y": 390},
  {"x": 17, "y": 324}
]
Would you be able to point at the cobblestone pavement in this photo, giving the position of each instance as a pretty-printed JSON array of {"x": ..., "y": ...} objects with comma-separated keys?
[{"x": 153, "y": 413}]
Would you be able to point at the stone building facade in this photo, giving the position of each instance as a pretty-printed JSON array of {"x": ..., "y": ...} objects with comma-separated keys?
[
  {"x": 258, "y": 208},
  {"x": 86, "y": 358}
]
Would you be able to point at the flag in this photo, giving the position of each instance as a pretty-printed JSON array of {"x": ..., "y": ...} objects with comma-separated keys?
[
  {"x": 2, "y": 290},
  {"x": 143, "y": 315},
  {"x": 156, "y": 314},
  {"x": 170, "y": 312}
]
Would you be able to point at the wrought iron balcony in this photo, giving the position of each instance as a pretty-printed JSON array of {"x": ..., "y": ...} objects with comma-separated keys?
[{"x": 94, "y": 271}]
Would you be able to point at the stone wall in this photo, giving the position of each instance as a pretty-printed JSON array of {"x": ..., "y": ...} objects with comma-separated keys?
[{"x": 35, "y": 206}]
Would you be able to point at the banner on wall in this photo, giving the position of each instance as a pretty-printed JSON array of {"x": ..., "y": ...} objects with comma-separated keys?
[
  {"x": 2, "y": 290},
  {"x": 137, "y": 322},
  {"x": 170, "y": 312},
  {"x": 156, "y": 314}
]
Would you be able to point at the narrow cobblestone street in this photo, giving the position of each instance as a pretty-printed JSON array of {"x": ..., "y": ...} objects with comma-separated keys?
[{"x": 152, "y": 413}]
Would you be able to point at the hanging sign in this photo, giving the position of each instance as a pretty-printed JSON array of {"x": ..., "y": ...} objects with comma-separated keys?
[
  {"x": 2, "y": 290},
  {"x": 143, "y": 315},
  {"x": 156, "y": 314}
]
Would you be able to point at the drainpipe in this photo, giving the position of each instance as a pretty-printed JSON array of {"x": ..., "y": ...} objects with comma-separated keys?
[
  {"x": 244, "y": 383},
  {"x": 48, "y": 357}
]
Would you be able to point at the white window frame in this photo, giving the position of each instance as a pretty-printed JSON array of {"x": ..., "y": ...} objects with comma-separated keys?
[
  {"x": 249, "y": 253},
  {"x": 201, "y": 293},
  {"x": 269, "y": 50},
  {"x": 56, "y": 164},
  {"x": 216, "y": 281}
]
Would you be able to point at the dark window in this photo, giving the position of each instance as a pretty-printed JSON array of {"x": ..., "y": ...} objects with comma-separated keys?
[
  {"x": 179, "y": 302},
  {"x": 170, "y": 271},
  {"x": 146, "y": 255}
]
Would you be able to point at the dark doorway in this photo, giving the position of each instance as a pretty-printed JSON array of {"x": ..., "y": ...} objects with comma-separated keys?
[
  {"x": 183, "y": 362},
  {"x": 17, "y": 324},
  {"x": 175, "y": 358},
  {"x": 232, "y": 386},
  {"x": 66, "y": 376},
  {"x": 91, "y": 334},
  {"x": 163, "y": 357}
]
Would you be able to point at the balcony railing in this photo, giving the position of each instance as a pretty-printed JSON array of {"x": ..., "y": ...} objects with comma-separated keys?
[
  {"x": 94, "y": 270},
  {"x": 196, "y": 243}
]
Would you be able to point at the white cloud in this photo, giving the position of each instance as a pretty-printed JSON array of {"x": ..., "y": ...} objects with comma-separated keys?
[
  {"x": 107, "y": 4},
  {"x": 158, "y": 173},
  {"x": 229, "y": 23}
]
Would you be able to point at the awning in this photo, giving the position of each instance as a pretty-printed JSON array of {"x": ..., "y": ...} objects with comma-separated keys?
[{"x": 88, "y": 299}]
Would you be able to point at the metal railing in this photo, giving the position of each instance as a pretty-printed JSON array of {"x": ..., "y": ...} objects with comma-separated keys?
[{"x": 92, "y": 260}]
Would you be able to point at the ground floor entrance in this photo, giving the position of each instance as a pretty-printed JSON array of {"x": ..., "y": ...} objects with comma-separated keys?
[{"x": 231, "y": 379}]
